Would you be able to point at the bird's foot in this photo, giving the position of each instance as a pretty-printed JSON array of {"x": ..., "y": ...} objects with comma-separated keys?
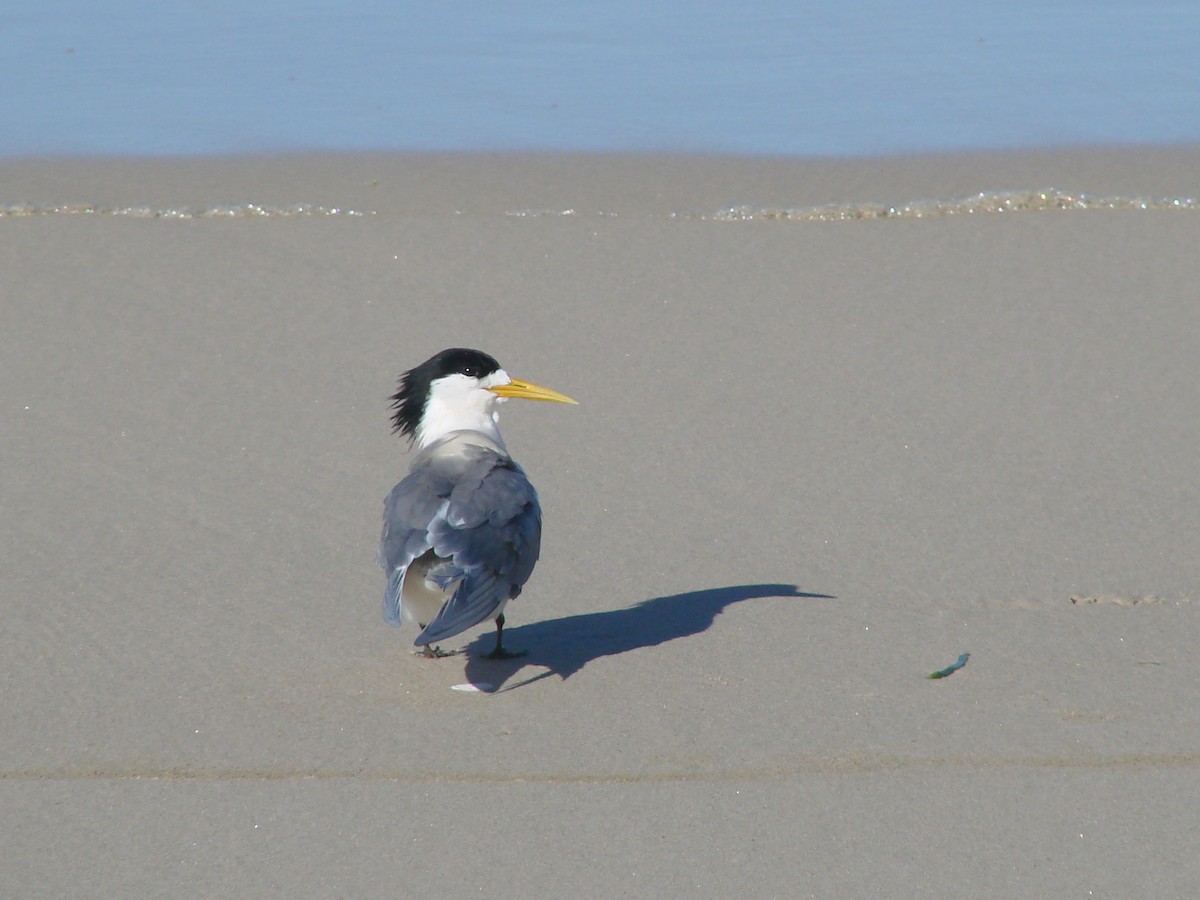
[
  {"x": 431, "y": 652},
  {"x": 501, "y": 653}
]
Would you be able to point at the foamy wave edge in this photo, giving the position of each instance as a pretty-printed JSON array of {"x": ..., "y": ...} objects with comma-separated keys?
[
  {"x": 972, "y": 204},
  {"x": 224, "y": 211}
]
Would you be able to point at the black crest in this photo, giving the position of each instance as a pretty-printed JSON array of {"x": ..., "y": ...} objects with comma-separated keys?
[{"x": 408, "y": 403}]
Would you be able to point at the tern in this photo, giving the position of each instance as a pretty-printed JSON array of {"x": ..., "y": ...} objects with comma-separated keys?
[{"x": 462, "y": 531}]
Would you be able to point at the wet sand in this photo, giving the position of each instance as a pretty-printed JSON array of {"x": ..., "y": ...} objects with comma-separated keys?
[{"x": 814, "y": 462}]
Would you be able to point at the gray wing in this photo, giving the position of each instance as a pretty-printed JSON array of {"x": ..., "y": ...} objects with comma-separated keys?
[
  {"x": 408, "y": 511},
  {"x": 489, "y": 532}
]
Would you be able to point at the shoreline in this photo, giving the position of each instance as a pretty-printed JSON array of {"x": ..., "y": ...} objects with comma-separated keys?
[{"x": 634, "y": 182}]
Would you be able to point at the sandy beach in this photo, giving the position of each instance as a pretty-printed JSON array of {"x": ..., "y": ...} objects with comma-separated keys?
[{"x": 840, "y": 422}]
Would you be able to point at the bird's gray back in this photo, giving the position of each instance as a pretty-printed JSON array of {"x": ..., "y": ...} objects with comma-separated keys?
[{"x": 469, "y": 502}]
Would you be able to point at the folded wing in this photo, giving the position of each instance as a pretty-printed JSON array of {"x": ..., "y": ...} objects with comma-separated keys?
[{"x": 478, "y": 513}]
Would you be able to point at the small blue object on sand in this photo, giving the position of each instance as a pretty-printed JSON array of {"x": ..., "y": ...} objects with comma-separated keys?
[{"x": 952, "y": 668}]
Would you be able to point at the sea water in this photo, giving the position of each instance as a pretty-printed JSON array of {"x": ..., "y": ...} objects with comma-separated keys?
[{"x": 782, "y": 77}]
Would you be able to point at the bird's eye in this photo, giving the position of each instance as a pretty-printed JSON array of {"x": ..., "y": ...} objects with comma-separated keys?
[{"x": 471, "y": 371}]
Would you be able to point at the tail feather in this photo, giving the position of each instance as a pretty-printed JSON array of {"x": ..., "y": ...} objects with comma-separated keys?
[{"x": 391, "y": 596}]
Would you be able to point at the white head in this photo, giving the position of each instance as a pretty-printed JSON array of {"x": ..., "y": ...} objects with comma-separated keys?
[
  {"x": 458, "y": 390},
  {"x": 461, "y": 402}
]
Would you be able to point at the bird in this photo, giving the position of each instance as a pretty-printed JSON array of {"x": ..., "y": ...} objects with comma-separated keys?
[{"x": 462, "y": 531}]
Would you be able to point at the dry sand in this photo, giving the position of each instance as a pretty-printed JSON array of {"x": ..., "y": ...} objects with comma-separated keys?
[{"x": 813, "y": 462}]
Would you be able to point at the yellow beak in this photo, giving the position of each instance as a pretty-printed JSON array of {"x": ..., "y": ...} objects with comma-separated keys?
[{"x": 526, "y": 391}]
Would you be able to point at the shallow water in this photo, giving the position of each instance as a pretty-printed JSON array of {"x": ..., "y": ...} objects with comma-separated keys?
[{"x": 128, "y": 77}]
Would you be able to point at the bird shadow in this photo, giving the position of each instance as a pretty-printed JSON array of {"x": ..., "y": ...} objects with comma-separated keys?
[{"x": 564, "y": 646}]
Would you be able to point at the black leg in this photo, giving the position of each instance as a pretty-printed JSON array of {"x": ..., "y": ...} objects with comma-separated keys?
[{"x": 500, "y": 652}]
